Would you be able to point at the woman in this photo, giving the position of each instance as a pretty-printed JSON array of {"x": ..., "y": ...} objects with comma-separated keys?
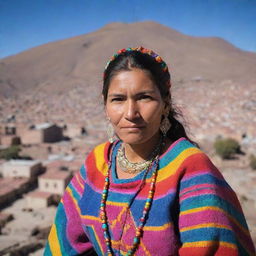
[{"x": 151, "y": 191}]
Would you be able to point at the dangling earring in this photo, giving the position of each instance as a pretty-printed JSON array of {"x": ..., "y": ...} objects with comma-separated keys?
[
  {"x": 110, "y": 132},
  {"x": 165, "y": 124}
]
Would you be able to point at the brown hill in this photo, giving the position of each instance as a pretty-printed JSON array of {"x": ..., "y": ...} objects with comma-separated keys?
[{"x": 80, "y": 60}]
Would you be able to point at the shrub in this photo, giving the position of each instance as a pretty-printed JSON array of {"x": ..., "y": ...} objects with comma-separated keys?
[
  {"x": 10, "y": 153},
  {"x": 253, "y": 162},
  {"x": 227, "y": 148}
]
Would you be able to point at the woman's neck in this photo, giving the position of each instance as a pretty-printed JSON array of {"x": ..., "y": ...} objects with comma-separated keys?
[{"x": 140, "y": 152}]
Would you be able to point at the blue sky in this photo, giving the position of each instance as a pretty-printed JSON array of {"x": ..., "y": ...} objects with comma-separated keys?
[{"x": 28, "y": 23}]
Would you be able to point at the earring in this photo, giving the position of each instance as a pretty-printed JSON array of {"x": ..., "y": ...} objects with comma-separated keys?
[
  {"x": 110, "y": 132},
  {"x": 165, "y": 125}
]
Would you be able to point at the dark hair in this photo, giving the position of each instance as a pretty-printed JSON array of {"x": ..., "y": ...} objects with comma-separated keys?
[{"x": 128, "y": 60}]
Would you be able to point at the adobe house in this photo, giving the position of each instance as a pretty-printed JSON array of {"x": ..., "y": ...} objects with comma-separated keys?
[
  {"x": 21, "y": 168},
  {"x": 74, "y": 130},
  {"x": 45, "y": 132},
  {"x": 38, "y": 199},
  {"x": 54, "y": 182},
  {"x": 8, "y": 135},
  {"x": 13, "y": 188}
]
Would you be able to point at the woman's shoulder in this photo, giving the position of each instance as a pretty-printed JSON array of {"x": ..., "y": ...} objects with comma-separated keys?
[
  {"x": 187, "y": 156},
  {"x": 100, "y": 150},
  {"x": 179, "y": 150},
  {"x": 98, "y": 158}
]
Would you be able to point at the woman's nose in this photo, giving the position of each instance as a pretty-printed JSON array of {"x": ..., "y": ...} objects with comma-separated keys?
[{"x": 131, "y": 110}]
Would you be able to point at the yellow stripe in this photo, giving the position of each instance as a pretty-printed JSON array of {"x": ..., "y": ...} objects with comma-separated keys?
[
  {"x": 90, "y": 217},
  {"x": 146, "y": 252},
  {"x": 118, "y": 218},
  {"x": 73, "y": 199},
  {"x": 97, "y": 239},
  {"x": 157, "y": 228},
  {"x": 54, "y": 242},
  {"x": 172, "y": 167},
  {"x": 209, "y": 243},
  {"x": 99, "y": 158},
  {"x": 78, "y": 180},
  {"x": 117, "y": 203},
  {"x": 214, "y": 208},
  {"x": 205, "y": 225},
  {"x": 200, "y": 209}
]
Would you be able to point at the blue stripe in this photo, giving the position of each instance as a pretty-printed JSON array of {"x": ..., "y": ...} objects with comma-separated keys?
[
  {"x": 212, "y": 200},
  {"x": 208, "y": 234},
  {"x": 204, "y": 178},
  {"x": 174, "y": 152},
  {"x": 89, "y": 204},
  {"x": 47, "y": 251},
  {"x": 163, "y": 215},
  {"x": 83, "y": 172},
  {"x": 74, "y": 192},
  {"x": 93, "y": 240},
  {"x": 61, "y": 222}
]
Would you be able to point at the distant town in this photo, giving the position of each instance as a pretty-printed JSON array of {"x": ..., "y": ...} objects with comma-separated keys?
[{"x": 36, "y": 164}]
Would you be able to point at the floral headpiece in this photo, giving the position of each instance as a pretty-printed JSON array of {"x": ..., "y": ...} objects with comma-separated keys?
[{"x": 141, "y": 49}]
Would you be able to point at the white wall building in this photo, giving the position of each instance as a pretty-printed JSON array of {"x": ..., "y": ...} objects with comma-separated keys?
[
  {"x": 21, "y": 168},
  {"x": 54, "y": 182}
]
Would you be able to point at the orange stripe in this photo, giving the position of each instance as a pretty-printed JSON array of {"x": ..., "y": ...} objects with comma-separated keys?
[{"x": 208, "y": 244}]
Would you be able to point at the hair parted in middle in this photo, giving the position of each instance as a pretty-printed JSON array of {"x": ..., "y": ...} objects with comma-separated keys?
[{"x": 151, "y": 63}]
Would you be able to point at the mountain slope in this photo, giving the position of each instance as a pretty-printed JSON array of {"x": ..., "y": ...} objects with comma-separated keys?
[{"x": 60, "y": 65}]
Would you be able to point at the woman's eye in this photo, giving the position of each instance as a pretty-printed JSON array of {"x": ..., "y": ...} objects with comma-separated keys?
[
  {"x": 142, "y": 97},
  {"x": 117, "y": 99}
]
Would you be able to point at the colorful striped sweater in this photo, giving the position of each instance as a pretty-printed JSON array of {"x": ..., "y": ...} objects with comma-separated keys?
[{"x": 194, "y": 212}]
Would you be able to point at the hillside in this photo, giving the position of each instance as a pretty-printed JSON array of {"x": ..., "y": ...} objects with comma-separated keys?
[{"x": 60, "y": 65}]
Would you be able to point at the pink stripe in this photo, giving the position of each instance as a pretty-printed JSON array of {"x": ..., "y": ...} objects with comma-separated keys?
[
  {"x": 200, "y": 173},
  {"x": 80, "y": 178},
  {"x": 77, "y": 186},
  {"x": 203, "y": 185},
  {"x": 205, "y": 191},
  {"x": 202, "y": 217},
  {"x": 172, "y": 146},
  {"x": 170, "y": 192},
  {"x": 75, "y": 232},
  {"x": 217, "y": 217},
  {"x": 223, "y": 193}
]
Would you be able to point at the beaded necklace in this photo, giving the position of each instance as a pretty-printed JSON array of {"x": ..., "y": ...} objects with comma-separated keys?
[{"x": 148, "y": 203}]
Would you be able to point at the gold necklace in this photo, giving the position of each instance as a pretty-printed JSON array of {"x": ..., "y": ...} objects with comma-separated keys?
[{"x": 133, "y": 168}]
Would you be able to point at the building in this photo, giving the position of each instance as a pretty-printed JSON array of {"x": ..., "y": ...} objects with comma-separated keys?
[
  {"x": 41, "y": 133},
  {"x": 54, "y": 181},
  {"x": 8, "y": 129},
  {"x": 38, "y": 199},
  {"x": 74, "y": 130},
  {"x": 13, "y": 188},
  {"x": 9, "y": 140},
  {"x": 21, "y": 168},
  {"x": 8, "y": 135}
]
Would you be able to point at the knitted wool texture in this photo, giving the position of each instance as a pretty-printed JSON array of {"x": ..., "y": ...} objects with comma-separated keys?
[{"x": 194, "y": 212}]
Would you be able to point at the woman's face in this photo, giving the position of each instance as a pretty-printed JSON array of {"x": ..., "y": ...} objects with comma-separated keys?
[{"x": 134, "y": 106}]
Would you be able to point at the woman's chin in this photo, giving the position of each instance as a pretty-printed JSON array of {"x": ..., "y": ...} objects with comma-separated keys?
[{"x": 133, "y": 138}]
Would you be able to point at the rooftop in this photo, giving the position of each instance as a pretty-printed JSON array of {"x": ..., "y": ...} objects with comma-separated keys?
[
  {"x": 39, "y": 194},
  {"x": 56, "y": 175},
  {"x": 43, "y": 126},
  {"x": 9, "y": 184},
  {"x": 22, "y": 162}
]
